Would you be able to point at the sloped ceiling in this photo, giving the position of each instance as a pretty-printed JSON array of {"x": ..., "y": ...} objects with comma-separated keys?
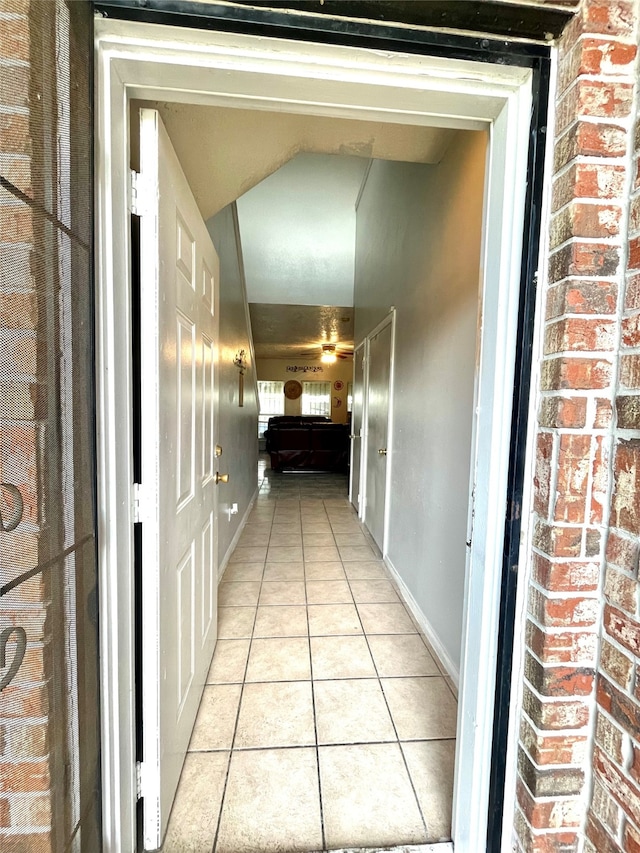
[{"x": 225, "y": 152}]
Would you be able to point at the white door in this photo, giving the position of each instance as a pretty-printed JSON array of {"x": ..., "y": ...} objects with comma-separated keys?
[
  {"x": 357, "y": 424},
  {"x": 179, "y": 332},
  {"x": 377, "y": 407}
]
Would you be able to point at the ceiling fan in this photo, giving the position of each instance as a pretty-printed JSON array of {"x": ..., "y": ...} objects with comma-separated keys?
[{"x": 331, "y": 352}]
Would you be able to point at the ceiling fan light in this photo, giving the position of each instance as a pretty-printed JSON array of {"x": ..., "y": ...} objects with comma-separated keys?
[{"x": 328, "y": 357}]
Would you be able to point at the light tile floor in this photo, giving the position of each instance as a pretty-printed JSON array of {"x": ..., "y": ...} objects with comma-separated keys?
[{"x": 327, "y": 721}]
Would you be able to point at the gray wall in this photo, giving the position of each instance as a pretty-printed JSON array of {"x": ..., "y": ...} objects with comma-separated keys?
[
  {"x": 238, "y": 425},
  {"x": 418, "y": 247}
]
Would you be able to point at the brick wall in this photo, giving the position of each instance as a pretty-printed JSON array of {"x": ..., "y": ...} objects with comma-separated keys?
[
  {"x": 48, "y": 701},
  {"x": 586, "y": 416}
]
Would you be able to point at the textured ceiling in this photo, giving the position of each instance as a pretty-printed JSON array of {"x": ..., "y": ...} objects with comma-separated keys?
[{"x": 294, "y": 331}]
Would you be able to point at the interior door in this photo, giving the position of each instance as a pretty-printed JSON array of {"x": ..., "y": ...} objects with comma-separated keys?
[
  {"x": 357, "y": 427},
  {"x": 377, "y": 409},
  {"x": 179, "y": 334}
]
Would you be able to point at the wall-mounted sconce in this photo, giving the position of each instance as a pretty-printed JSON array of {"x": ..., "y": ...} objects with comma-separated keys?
[{"x": 240, "y": 362}]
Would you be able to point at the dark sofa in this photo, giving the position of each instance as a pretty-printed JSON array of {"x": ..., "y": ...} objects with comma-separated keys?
[{"x": 307, "y": 442}]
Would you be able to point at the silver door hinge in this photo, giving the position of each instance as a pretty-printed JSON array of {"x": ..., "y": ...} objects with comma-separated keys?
[
  {"x": 141, "y": 774},
  {"x": 141, "y": 194},
  {"x": 136, "y": 503}
]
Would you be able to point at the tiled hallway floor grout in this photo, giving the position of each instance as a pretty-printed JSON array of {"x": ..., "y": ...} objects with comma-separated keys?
[{"x": 327, "y": 721}]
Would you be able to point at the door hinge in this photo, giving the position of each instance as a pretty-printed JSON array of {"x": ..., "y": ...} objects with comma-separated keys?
[
  {"x": 137, "y": 503},
  {"x": 141, "y": 778},
  {"x": 142, "y": 194}
]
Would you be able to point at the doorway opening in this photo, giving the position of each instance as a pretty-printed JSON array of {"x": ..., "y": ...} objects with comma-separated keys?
[{"x": 493, "y": 391}]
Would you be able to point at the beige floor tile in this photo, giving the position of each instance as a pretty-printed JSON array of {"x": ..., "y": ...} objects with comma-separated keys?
[
  {"x": 282, "y": 592},
  {"x": 368, "y": 570},
  {"x": 367, "y": 799},
  {"x": 281, "y": 621},
  {"x": 279, "y": 659},
  {"x": 351, "y": 711},
  {"x": 276, "y": 714},
  {"x": 332, "y": 619},
  {"x": 373, "y": 591},
  {"x": 328, "y": 592},
  {"x": 352, "y": 539},
  {"x": 431, "y": 765},
  {"x": 254, "y": 538},
  {"x": 272, "y": 803},
  {"x": 243, "y": 572},
  {"x": 286, "y": 517},
  {"x": 315, "y": 527},
  {"x": 292, "y": 571},
  {"x": 321, "y": 553},
  {"x": 422, "y": 708},
  {"x": 284, "y": 553},
  {"x": 341, "y": 657},
  {"x": 401, "y": 655},
  {"x": 289, "y": 529},
  {"x": 318, "y": 540},
  {"x": 238, "y": 593},
  {"x": 194, "y": 817},
  {"x": 235, "y": 622},
  {"x": 216, "y": 718},
  {"x": 340, "y": 527},
  {"x": 386, "y": 618},
  {"x": 292, "y": 538},
  {"x": 356, "y": 552},
  {"x": 229, "y": 662},
  {"x": 324, "y": 571},
  {"x": 249, "y": 554}
]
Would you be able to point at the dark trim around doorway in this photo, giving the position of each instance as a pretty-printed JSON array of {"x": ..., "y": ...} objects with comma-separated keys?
[{"x": 319, "y": 28}]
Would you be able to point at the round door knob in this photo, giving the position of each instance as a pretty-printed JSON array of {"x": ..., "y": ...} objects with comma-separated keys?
[
  {"x": 382, "y": 451},
  {"x": 221, "y": 478}
]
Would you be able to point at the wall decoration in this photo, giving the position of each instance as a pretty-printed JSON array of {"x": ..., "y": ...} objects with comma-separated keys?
[
  {"x": 304, "y": 368},
  {"x": 240, "y": 362},
  {"x": 292, "y": 389},
  {"x": 338, "y": 385},
  {"x": 337, "y": 402}
]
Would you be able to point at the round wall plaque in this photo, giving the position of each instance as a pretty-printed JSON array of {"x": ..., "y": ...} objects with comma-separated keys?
[{"x": 292, "y": 389}]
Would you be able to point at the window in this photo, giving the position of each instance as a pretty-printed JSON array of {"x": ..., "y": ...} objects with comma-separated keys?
[
  {"x": 350, "y": 397},
  {"x": 271, "y": 396},
  {"x": 316, "y": 398}
]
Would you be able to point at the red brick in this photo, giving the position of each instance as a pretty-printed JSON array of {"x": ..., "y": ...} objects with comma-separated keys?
[
  {"x": 588, "y": 180},
  {"x": 604, "y": 98},
  {"x": 571, "y": 611},
  {"x": 625, "y": 711},
  {"x": 609, "y": 736},
  {"x": 631, "y": 331},
  {"x": 587, "y": 139},
  {"x": 565, "y": 576},
  {"x": 558, "y": 412},
  {"x": 14, "y": 39},
  {"x": 634, "y": 215},
  {"x": 549, "y": 749},
  {"x": 596, "y": 259},
  {"x": 585, "y": 220},
  {"x": 604, "y": 413},
  {"x": 599, "y": 480},
  {"x": 561, "y": 646},
  {"x": 40, "y": 842},
  {"x": 622, "y": 628},
  {"x": 24, "y": 777},
  {"x": 625, "y": 510},
  {"x": 623, "y": 551},
  {"x": 578, "y": 374},
  {"x": 557, "y": 541},
  {"x": 599, "y": 837},
  {"x": 620, "y": 590},
  {"x": 631, "y": 838},
  {"x": 620, "y": 788},
  {"x": 559, "y": 680},
  {"x": 555, "y": 714},
  {"x": 603, "y": 16},
  {"x": 542, "y": 477},
  {"x": 634, "y": 254},
  {"x": 582, "y": 297},
  {"x": 632, "y": 293},
  {"x": 616, "y": 665},
  {"x": 574, "y": 462},
  {"x": 578, "y": 334},
  {"x": 603, "y": 57},
  {"x": 548, "y": 814}
]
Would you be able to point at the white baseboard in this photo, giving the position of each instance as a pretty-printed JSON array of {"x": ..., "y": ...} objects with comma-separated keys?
[
  {"x": 424, "y": 624},
  {"x": 232, "y": 545}
]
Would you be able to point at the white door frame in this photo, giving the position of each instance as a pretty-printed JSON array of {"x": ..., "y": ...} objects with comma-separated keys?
[
  {"x": 359, "y": 486},
  {"x": 147, "y": 61}
]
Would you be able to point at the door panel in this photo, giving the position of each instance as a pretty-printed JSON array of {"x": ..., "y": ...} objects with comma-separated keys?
[
  {"x": 379, "y": 377},
  {"x": 357, "y": 424},
  {"x": 179, "y": 333}
]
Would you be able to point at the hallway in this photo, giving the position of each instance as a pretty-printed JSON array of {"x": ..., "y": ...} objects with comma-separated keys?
[{"x": 326, "y": 722}]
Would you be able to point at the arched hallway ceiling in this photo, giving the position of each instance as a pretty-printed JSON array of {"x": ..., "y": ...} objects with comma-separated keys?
[{"x": 225, "y": 152}]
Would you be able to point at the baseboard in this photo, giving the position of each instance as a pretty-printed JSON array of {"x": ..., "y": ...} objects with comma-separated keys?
[
  {"x": 424, "y": 624},
  {"x": 232, "y": 545}
]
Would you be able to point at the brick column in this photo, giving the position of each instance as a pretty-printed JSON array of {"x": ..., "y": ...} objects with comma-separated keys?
[
  {"x": 583, "y": 305},
  {"x": 614, "y": 815}
]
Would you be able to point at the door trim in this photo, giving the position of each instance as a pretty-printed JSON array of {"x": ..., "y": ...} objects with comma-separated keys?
[{"x": 158, "y": 62}]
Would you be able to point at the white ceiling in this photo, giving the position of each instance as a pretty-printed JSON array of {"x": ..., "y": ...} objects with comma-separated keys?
[
  {"x": 298, "y": 230},
  {"x": 298, "y": 331}
]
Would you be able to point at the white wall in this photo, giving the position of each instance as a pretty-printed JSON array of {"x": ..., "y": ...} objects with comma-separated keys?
[
  {"x": 238, "y": 426},
  {"x": 418, "y": 248}
]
